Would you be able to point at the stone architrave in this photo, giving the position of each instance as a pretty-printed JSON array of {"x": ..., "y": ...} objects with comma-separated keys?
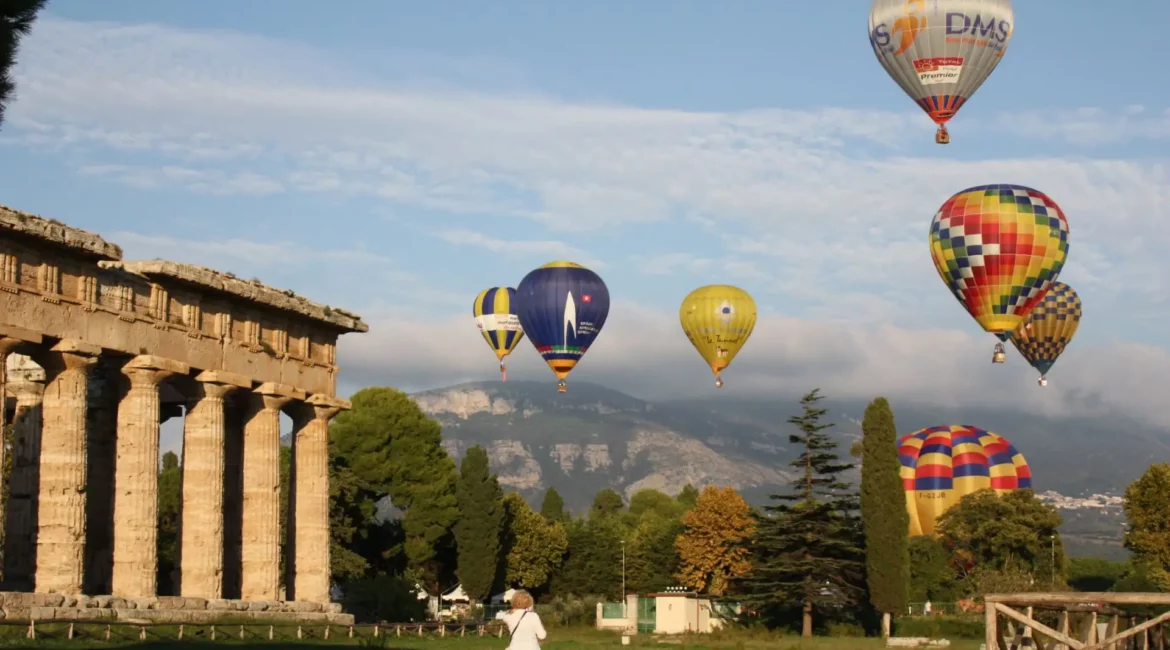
[
  {"x": 62, "y": 480},
  {"x": 201, "y": 545},
  {"x": 260, "y": 552},
  {"x": 310, "y": 498},
  {"x": 136, "y": 477},
  {"x": 27, "y": 385}
]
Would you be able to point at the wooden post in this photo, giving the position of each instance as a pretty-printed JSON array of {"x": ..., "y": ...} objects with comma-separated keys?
[
  {"x": 327, "y": 632},
  {"x": 212, "y": 633},
  {"x": 1110, "y": 630},
  {"x": 991, "y": 625},
  {"x": 1025, "y": 640},
  {"x": 271, "y": 632},
  {"x": 180, "y": 631},
  {"x": 108, "y": 632},
  {"x": 300, "y": 633},
  {"x": 1091, "y": 633},
  {"x": 32, "y": 630},
  {"x": 142, "y": 633},
  {"x": 351, "y": 631},
  {"x": 69, "y": 635},
  {"x": 241, "y": 632}
]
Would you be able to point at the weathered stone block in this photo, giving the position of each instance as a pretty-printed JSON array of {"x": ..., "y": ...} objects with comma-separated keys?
[{"x": 220, "y": 605}]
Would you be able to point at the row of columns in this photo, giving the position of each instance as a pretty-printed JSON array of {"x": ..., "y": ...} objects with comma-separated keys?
[{"x": 48, "y": 487}]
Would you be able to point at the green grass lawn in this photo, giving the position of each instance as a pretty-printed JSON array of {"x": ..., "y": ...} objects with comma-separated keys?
[{"x": 559, "y": 639}]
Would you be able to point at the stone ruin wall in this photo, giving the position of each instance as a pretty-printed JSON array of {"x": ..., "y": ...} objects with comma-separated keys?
[{"x": 99, "y": 352}]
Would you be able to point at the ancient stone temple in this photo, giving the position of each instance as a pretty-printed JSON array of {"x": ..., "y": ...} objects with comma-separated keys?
[{"x": 99, "y": 352}]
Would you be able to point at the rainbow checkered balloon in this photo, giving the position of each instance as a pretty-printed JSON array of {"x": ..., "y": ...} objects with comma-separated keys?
[
  {"x": 999, "y": 248},
  {"x": 941, "y": 465}
]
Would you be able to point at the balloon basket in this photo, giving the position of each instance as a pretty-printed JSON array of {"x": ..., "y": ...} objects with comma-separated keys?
[
  {"x": 942, "y": 136},
  {"x": 561, "y": 387},
  {"x": 998, "y": 355},
  {"x": 503, "y": 373},
  {"x": 718, "y": 382},
  {"x": 1043, "y": 381}
]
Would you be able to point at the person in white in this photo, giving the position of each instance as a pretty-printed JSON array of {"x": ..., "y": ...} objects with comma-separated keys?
[{"x": 524, "y": 625}]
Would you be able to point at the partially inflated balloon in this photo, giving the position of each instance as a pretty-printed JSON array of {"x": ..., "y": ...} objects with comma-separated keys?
[
  {"x": 998, "y": 248},
  {"x": 940, "y": 51},
  {"x": 562, "y": 307},
  {"x": 718, "y": 319},
  {"x": 941, "y": 465},
  {"x": 494, "y": 316},
  {"x": 1042, "y": 337}
]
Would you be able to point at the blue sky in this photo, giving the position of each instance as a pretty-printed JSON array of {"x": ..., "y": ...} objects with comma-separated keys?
[{"x": 395, "y": 158}]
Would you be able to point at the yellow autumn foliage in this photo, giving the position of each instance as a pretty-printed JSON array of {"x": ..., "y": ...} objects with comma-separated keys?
[{"x": 713, "y": 547}]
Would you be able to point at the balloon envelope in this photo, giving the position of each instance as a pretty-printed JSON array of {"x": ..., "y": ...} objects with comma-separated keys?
[
  {"x": 940, "y": 52},
  {"x": 718, "y": 319},
  {"x": 562, "y": 307},
  {"x": 496, "y": 319},
  {"x": 941, "y": 465},
  {"x": 1044, "y": 334},
  {"x": 998, "y": 248}
]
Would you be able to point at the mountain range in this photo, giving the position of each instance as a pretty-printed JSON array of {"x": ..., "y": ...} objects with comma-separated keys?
[{"x": 594, "y": 437}]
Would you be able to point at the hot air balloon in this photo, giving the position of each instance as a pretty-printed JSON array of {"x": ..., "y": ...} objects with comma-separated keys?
[
  {"x": 941, "y": 465},
  {"x": 718, "y": 319},
  {"x": 493, "y": 311},
  {"x": 999, "y": 248},
  {"x": 941, "y": 51},
  {"x": 562, "y": 307},
  {"x": 1049, "y": 328}
]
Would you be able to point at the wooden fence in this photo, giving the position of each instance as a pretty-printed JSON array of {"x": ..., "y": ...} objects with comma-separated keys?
[{"x": 124, "y": 631}]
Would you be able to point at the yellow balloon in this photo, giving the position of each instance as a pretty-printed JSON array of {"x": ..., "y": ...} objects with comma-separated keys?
[{"x": 718, "y": 319}]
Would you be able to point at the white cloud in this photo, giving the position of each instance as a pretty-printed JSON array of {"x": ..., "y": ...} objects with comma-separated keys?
[
  {"x": 528, "y": 248},
  {"x": 644, "y": 352}
]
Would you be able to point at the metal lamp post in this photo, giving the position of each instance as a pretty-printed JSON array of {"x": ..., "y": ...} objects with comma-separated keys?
[
  {"x": 1052, "y": 565},
  {"x": 625, "y": 614}
]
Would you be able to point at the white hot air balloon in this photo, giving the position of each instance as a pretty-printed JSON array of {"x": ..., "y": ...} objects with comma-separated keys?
[{"x": 940, "y": 51}]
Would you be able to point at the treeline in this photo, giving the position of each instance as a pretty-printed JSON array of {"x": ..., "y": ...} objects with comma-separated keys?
[{"x": 822, "y": 553}]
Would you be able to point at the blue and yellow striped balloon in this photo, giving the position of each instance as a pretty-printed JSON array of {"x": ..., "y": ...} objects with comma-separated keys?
[
  {"x": 941, "y": 465},
  {"x": 494, "y": 316}
]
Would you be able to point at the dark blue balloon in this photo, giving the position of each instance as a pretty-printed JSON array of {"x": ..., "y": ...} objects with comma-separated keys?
[{"x": 562, "y": 307}]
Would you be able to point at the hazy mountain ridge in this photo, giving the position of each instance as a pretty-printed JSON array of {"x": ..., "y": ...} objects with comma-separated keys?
[{"x": 593, "y": 437}]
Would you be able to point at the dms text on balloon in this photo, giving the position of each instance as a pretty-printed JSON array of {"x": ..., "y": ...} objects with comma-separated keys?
[
  {"x": 979, "y": 30},
  {"x": 586, "y": 328},
  {"x": 932, "y": 495}
]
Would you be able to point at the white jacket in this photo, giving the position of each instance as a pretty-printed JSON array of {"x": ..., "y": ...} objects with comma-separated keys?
[{"x": 526, "y": 628}]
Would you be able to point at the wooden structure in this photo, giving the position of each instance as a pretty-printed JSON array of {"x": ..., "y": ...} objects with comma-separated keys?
[{"x": 1127, "y": 617}]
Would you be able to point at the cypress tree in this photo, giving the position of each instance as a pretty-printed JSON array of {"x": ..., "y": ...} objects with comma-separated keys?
[
  {"x": 477, "y": 532},
  {"x": 883, "y": 513},
  {"x": 553, "y": 506},
  {"x": 808, "y": 546}
]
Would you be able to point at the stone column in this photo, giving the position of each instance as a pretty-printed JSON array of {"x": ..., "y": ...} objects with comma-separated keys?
[
  {"x": 260, "y": 555},
  {"x": 61, "y": 513},
  {"x": 27, "y": 385},
  {"x": 310, "y": 498},
  {"x": 136, "y": 477},
  {"x": 201, "y": 543}
]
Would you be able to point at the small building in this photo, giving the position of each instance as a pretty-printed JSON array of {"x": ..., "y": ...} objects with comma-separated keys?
[{"x": 674, "y": 611}]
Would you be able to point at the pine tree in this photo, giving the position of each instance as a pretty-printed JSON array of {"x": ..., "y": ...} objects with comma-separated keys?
[
  {"x": 808, "y": 545},
  {"x": 553, "y": 506},
  {"x": 883, "y": 513},
  {"x": 480, "y": 523},
  {"x": 16, "y": 20}
]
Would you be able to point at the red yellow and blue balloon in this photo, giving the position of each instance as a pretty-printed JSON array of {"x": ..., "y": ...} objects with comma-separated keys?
[
  {"x": 999, "y": 248},
  {"x": 562, "y": 307},
  {"x": 494, "y": 311},
  {"x": 1048, "y": 330},
  {"x": 941, "y": 465}
]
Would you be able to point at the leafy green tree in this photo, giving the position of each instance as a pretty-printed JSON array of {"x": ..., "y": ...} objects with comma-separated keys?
[
  {"x": 481, "y": 519},
  {"x": 592, "y": 566},
  {"x": 931, "y": 575},
  {"x": 688, "y": 496},
  {"x": 883, "y": 513},
  {"x": 808, "y": 552},
  {"x": 1147, "y": 508},
  {"x": 651, "y": 559},
  {"x": 16, "y": 20},
  {"x": 170, "y": 500},
  {"x": 394, "y": 449},
  {"x": 534, "y": 547},
  {"x": 652, "y": 501},
  {"x": 352, "y": 513},
  {"x": 383, "y": 598},
  {"x": 1015, "y": 533},
  {"x": 553, "y": 506},
  {"x": 606, "y": 503},
  {"x": 1095, "y": 574}
]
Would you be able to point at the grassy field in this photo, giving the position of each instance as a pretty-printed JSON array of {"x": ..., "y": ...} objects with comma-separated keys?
[{"x": 559, "y": 639}]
